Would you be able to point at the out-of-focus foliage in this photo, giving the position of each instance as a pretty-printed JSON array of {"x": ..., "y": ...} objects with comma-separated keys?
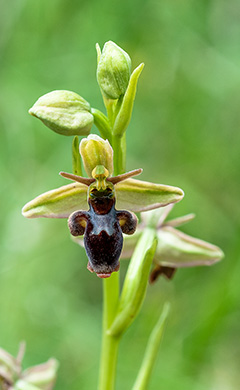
[{"x": 185, "y": 131}]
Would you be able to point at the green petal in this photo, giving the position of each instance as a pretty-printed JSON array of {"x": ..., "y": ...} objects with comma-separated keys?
[
  {"x": 176, "y": 249},
  {"x": 135, "y": 195},
  {"x": 58, "y": 203}
]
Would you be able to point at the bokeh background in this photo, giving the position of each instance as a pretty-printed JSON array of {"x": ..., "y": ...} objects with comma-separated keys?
[{"x": 184, "y": 132}]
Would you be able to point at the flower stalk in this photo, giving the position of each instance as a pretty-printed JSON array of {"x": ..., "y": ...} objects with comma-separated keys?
[{"x": 110, "y": 344}]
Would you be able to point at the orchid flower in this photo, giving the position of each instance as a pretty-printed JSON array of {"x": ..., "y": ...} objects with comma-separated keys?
[{"x": 130, "y": 194}]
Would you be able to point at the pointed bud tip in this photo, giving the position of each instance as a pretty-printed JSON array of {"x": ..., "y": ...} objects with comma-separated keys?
[
  {"x": 25, "y": 211},
  {"x": 31, "y": 111}
]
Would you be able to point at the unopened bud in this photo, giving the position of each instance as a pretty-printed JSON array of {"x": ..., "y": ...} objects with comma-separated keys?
[
  {"x": 96, "y": 151},
  {"x": 113, "y": 71},
  {"x": 64, "y": 112}
]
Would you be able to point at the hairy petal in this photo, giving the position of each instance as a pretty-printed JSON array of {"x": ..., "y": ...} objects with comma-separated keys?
[
  {"x": 136, "y": 195},
  {"x": 58, "y": 203}
]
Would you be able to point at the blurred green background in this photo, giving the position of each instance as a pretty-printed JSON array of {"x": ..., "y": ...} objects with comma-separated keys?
[{"x": 184, "y": 132}]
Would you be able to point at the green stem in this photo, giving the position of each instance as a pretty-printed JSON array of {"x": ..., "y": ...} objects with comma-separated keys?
[
  {"x": 108, "y": 363},
  {"x": 119, "y": 153},
  {"x": 76, "y": 159},
  {"x": 102, "y": 123},
  {"x": 109, "y": 343}
]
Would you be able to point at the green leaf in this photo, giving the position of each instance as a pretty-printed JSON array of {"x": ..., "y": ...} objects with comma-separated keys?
[
  {"x": 176, "y": 249},
  {"x": 64, "y": 112},
  {"x": 135, "y": 284},
  {"x": 124, "y": 115},
  {"x": 151, "y": 352},
  {"x": 136, "y": 195},
  {"x": 58, "y": 203}
]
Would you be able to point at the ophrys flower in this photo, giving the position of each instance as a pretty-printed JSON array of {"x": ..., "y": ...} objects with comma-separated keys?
[{"x": 90, "y": 203}]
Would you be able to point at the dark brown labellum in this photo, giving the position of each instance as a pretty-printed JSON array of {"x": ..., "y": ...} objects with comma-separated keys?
[{"x": 102, "y": 226}]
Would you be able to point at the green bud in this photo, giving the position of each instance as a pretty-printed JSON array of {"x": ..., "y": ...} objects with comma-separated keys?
[
  {"x": 64, "y": 112},
  {"x": 96, "y": 151},
  {"x": 113, "y": 71}
]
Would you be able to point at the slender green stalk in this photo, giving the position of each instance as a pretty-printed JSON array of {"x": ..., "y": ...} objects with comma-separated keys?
[
  {"x": 109, "y": 343},
  {"x": 110, "y": 299},
  {"x": 151, "y": 351},
  {"x": 102, "y": 123},
  {"x": 108, "y": 363},
  {"x": 76, "y": 159},
  {"x": 119, "y": 153}
]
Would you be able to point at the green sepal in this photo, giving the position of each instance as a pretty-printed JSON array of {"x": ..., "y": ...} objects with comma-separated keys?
[
  {"x": 135, "y": 284},
  {"x": 124, "y": 115},
  {"x": 176, "y": 249},
  {"x": 58, "y": 203},
  {"x": 133, "y": 195},
  {"x": 64, "y": 112},
  {"x": 136, "y": 195}
]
